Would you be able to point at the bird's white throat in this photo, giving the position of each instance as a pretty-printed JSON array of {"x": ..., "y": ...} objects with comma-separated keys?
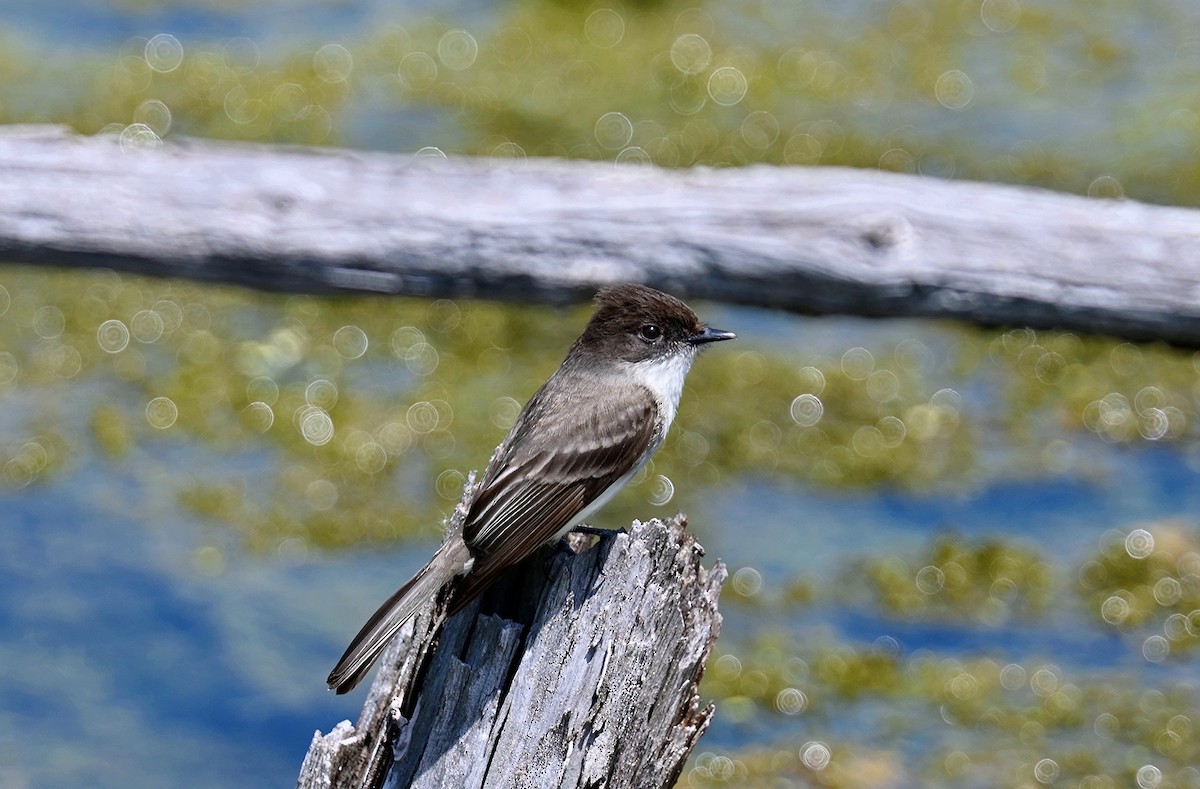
[{"x": 664, "y": 377}]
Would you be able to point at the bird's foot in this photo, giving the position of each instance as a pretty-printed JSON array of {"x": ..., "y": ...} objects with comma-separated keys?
[{"x": 593, "y": 531}]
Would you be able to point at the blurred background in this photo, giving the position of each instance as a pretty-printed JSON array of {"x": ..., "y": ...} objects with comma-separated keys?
[{"x": 959, "y": 558}]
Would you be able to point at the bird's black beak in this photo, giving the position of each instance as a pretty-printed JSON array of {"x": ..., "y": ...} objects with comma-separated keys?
[{"x": 709, "y": 334}]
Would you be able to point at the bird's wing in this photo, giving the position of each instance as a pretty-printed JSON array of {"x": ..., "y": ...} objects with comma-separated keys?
[{"x": 532, "y": 492}]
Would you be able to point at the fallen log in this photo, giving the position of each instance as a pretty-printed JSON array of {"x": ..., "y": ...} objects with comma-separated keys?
[{"x": 807, "y": 239}]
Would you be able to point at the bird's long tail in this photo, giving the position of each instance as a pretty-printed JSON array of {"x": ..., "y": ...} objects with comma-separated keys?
[{"x": 450, "y": 560}]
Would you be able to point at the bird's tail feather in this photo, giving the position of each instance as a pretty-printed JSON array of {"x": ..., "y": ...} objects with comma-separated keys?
[{"x": 450, "y": 560}]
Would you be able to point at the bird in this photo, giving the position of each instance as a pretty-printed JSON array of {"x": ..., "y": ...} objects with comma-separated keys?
[{"x": 581, "y": 437}]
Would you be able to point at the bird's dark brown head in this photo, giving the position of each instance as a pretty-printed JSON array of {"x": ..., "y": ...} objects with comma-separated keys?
[{"x": 634, "y": 322}]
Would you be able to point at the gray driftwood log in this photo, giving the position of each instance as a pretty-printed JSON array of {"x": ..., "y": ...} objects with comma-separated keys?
[
  {"x": 813, "y": 240},
  {"x": 590, "y": 683}
]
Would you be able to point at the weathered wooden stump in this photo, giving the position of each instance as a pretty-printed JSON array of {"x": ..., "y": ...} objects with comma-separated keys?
[{"x": 576, "y": 670}]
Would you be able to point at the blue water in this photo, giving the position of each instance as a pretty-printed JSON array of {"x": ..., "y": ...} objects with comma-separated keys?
[
  {"x": 125, "y": 665},
  {"x": 816, "y": 534},
  {"x": 98, "y": 26}
]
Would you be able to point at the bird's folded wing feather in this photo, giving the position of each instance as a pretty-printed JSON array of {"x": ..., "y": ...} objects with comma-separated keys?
[{"x": 530, "y": 492}]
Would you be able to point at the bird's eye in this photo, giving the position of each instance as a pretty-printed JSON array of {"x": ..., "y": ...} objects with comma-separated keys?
[{"x": 650, "y": 332}]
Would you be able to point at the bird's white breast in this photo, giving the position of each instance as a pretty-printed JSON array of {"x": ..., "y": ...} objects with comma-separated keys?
[{"x": 664, "y": 378}]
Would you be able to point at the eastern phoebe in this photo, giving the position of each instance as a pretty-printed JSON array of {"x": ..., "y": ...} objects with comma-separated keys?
[{"x": 590, "y": 428}]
